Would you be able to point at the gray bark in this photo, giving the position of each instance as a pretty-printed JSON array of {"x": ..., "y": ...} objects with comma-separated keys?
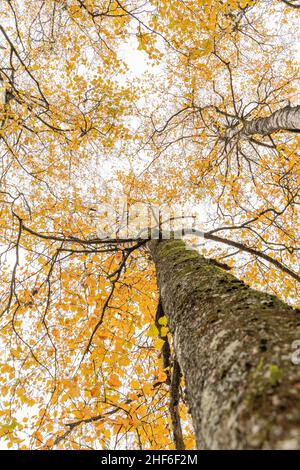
[
  {"x": 287, "y": 118},
  {"x": 233, "y": 345}
]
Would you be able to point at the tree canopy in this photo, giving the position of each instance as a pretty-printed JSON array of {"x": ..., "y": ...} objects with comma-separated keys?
[{"x": 207, "y": 131}]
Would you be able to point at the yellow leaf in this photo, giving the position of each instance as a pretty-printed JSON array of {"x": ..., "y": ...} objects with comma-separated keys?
[
  {"x": 158, "y": 344},
  {"x": 152, "y": 332},
  {"x": 147, "y": 389},
  {"x": 134, "y": 384},
  {"x": 95, "y": 391},
  {"x": 163, "y": 321},
  {"x": 114, "y": 381},
  {"x": 164, "y": 331}
]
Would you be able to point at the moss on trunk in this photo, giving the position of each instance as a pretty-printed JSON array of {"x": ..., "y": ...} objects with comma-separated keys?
[{"x": 233, "y": 345}]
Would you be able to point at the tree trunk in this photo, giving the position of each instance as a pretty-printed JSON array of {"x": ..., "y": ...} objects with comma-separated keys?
[
  {"x": 292, "y": 3},
  {"x": 233, "y": 345},
  {"x": 287, "y": 118}
]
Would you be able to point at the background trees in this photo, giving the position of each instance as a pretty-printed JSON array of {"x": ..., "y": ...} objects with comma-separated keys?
[{"x": 81, "y": 353}]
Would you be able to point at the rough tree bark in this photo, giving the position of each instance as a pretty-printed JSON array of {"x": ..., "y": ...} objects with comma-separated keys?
[
  {"x": 233, "y": 345},
  {"x": 287, "y": 118}
]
